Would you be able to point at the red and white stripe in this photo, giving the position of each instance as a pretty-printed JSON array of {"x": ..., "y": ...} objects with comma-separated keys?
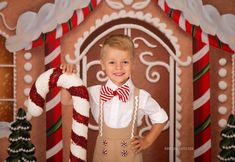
[
  {"x": 201, "y": 103},
  {"x": 54, "y": 78},
  {"x": 123, "y": 93},
  {"x": 54, "y": 146}
]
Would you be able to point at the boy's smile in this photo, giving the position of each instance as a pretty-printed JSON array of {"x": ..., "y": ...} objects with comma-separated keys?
[{"x": 117, "y": 64}]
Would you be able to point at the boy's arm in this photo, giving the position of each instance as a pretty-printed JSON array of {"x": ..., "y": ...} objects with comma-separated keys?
[
  {"x": 140, "y": 144},
  {"x": 66, "y": 98}
]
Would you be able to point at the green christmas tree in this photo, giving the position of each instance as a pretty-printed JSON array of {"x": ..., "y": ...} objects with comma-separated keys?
[
  {"x": 227, "y": 144},
  {"x": 20, "y": 149}
]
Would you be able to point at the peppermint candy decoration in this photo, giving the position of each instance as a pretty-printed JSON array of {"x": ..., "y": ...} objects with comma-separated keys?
[{"x": 55, "y": 78}]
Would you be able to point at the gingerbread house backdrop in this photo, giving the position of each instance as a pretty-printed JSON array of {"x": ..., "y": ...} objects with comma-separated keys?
[{"x": 184, "y": 54}]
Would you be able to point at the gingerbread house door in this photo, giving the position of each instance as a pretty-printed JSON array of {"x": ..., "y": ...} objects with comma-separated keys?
[{"x": 157, "y": 71}]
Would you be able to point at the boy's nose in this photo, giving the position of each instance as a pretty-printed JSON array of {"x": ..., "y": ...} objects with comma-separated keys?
[{"x": 118, "y": 66}]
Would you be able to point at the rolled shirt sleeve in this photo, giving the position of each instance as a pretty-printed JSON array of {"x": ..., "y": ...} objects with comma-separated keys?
[{"x": 149, "y": 106}]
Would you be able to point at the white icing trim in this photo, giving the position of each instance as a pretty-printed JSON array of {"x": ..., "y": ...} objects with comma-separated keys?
[
  {"x": 27, "y": 56},
  {"x": 222, "y": 98},
  {"x": 233, "y": 84},
  {"x": 28, "y": 66},
  {"x": 141, "y": 5},
  {"x": 178, "y": 115},
  {"x": 222, "y": 72},
  {"x": 100, "y": 75},
  {"x": 222, "y": 85},
  {"x": 5, "y": 99},
  {"x": 144, "y": 41},
  {"x": 6, "y": 66},
  {"x": 222, "y": 123},
  {"x": 155, "y": 76},
  {"x": 222, "y": 61},
  {"x": 28, "y": 79},
  {"x": 5, "y": 23},
  {"x": 26, "y": 91},
  {"x": 119, "y": 5},
  {"x": 222, "y": 110},
  {"x": 3, "y": 5}
]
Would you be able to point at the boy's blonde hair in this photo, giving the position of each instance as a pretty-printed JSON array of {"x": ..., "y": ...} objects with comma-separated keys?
[{"x": 119, "y": 41}]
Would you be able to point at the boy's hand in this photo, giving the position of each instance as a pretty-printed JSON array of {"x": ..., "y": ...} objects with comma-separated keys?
[
  {"x": 68, "y": 68},
  {"x": 139, "y": 144}
]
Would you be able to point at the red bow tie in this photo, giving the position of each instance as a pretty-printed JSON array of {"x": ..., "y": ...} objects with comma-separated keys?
[{"x": 123, "y": 93}]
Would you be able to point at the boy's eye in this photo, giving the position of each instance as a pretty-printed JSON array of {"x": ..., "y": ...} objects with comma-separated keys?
[
  {"x": 126, "y": 62},
  {"x": 111, "y": 62}
]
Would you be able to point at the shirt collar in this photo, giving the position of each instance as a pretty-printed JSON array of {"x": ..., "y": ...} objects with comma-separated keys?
[{"x": 113, "y": 86}]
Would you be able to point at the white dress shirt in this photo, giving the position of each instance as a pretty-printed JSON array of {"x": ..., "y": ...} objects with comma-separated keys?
[{"x": 118, "y": 114}]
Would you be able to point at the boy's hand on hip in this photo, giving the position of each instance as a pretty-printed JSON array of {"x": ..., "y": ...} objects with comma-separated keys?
[
  {"x": 139, "y": 144},
  {"x": 68, "y": 68}
]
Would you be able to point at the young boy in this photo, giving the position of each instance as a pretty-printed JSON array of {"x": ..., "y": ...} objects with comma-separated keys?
[{"x": 118, "y": 106}]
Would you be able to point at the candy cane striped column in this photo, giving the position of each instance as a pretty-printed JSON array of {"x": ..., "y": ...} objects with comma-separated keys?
[
  {"x": 201, "y": 104},
  {"x": 54, "y": 145}
]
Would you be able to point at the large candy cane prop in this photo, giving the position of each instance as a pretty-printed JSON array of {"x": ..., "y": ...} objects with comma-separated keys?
[{"x": 55, "y": 78}]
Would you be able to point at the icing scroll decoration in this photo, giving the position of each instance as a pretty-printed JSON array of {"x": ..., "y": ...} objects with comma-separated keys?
[{"x": 135, "y": 5}]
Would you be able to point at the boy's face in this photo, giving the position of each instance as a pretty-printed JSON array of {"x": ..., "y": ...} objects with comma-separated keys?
[{"x": 117, "y": 64}]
